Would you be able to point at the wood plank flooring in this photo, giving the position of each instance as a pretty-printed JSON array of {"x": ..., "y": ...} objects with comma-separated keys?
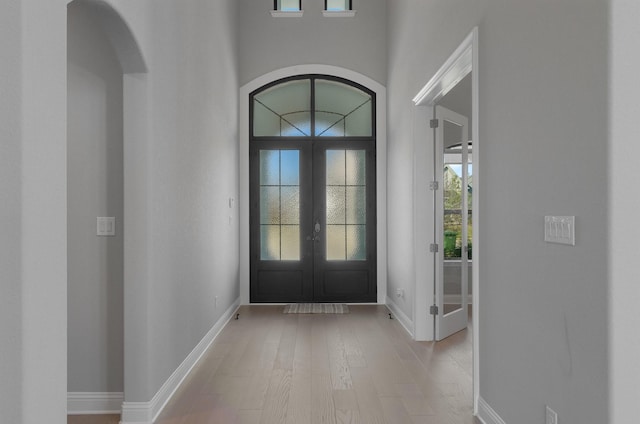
[{"x": 357, "y": 368}]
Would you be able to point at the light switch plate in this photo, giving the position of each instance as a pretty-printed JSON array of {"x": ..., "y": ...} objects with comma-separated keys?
[
  {"x": 106, "y": 226},
  {"x": 560, "y": 229}
]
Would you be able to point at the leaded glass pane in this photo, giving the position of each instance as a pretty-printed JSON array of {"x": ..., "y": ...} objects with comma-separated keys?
[
  {"x": 355, "y": 167},
  {"x": 279, "y": 205},
  {"x": 346, "y": 205},
  {"x": 290, "y": 163},
  {"x": 270, "y": 242},
  {"x": 356, "y": 243},
  {"x": 283, "y": 110},
  {"x": 336, "y": 167},
  {"x": 330, "y": 124},
  {"x": 265, "y": 122},
  {"x": 342, "y": 110},
  {"x": 336, "y": 205},
  {"x": 270, "y": 205},
  {"x": 356, "y": 205},
  {"x": 359, "y": 121},
  {"x": 336, "y": 243},
  {"x": 290, "y": 241},
  {"x": 269, "y": 167},
  {"x": 290, "y": 207},
  {"x": 295, "y": 124}
]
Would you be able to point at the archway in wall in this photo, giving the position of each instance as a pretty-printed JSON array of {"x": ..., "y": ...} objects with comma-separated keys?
[
  {"x": 105, "y": 78},
  {"x": 379, "y": 118}
]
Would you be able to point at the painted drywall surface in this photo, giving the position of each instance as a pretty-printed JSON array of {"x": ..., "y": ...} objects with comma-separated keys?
[
  {"x": 543, "y": 121},
  {"x": 624, "y": 320},
  {"x": 193, "y": 172},
  {"x": 95, "y": 188},
  {"x": 37, "y": 139},
  {"x": 10, "y": 211},
  {"x": 269, "y": 43}
]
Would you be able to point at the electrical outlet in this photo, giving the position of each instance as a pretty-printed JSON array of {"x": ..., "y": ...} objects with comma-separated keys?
[
  {"x": 215, "y": 302},
  {"x": 552, "y": 417}
]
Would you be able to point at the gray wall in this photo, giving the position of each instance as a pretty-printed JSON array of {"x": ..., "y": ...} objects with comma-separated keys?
[
  {"x": 33, "y": 202},
  {"x": 624, "y": 294},
  {"x": 10, "y": 216},
  {"x": 191, "y": 49},
  {"x": 182, "y": 172},
  {"x": 268, "y": 43},
  {"x": 543, "y": 132},
  {"x": 95, "y": 188}
]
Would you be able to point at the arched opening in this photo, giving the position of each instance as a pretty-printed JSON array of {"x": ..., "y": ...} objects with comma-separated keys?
[
  {"x": 105, "y": 77},
  {"x": 379, "y": 127}
]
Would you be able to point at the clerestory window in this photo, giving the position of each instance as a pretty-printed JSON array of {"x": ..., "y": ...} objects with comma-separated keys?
[
  {"x": 337, "y": 5},
  {"x": 313, "y": 106},
  {"x": 287, "y": 5}
]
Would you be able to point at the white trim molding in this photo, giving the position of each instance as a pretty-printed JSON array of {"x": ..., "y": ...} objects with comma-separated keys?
[
  {"x": 486, "y": 414},
  {"x": 286, "y": 13},
  {"x": 147, "y": 412},
  {"x": 402, "y": 318},
  {"x": 459, "y": 64},
  {"x": 89, "y": 403},
  {"x": 338, "y": 13},
  {"x": 381, "y": 165},
  {"x": 456, "y": 67}
]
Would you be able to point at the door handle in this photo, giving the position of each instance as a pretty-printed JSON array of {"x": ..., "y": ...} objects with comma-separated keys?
[{"x": 316, "y": 232}]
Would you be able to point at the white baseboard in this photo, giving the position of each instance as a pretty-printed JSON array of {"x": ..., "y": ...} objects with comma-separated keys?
[
  {"x": 404, "y": 320},
  {"x": 147, "y": 412},
  {"x": 486, "y": 414},
  {"x": 89, "y": 403}
]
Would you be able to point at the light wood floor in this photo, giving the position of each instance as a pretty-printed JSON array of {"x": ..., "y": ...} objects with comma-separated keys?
[{"x": 357, "y": 368}]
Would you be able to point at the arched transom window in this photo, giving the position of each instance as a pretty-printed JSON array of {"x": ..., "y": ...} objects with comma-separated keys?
[{"x": 313, "y": 106}]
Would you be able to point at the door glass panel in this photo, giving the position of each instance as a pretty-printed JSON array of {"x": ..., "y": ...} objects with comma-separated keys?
[
  {"x": 342, "y": 110},
  {"x": 453, "y": 206},
  {"x": 290, "y": 242},
  {"x": 356, "y": 205},
  {"x": 336, "y": 243},
  {"x": 269, "y": 242},
  {"x": 270, "y": 205},
  {"x": 283, "y": 110},
  {"x": 336, "y": 202},
  {"x": 356, "y": 243},
  {"x": 346, "y": 205},
  {"x": 279, "y": 205}
]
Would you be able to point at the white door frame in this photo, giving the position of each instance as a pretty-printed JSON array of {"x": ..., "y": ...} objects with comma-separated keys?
[
  {"x": 381, "y": 166},
  {"x": 459, "y": 64}
]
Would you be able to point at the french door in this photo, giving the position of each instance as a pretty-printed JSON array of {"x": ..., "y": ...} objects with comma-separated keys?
[
  {"x": 312, "y": 190},
  {"x": 453, "y": 216}
]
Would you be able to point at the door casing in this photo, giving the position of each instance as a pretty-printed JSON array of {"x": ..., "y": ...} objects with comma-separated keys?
[{"x": 462, "y": 61}]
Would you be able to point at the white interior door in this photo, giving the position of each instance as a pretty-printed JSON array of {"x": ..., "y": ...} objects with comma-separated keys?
[{"x": 452, "y": 165}]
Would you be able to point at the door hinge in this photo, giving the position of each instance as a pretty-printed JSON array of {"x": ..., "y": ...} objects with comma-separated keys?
[
  {"x": 433, "y": 310},
  {"x": 433, "y": 248},
  {"x": 434, "y": 123},
  {"x": 433, "y": 185}
]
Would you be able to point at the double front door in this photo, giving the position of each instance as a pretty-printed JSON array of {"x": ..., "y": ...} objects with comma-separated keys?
[
  {"x": 313, "y": 221},
  {"x": 313, "y": 195}
]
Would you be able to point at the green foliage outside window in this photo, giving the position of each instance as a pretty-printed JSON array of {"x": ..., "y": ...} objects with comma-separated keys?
[{"x": 453, "y": 215}]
